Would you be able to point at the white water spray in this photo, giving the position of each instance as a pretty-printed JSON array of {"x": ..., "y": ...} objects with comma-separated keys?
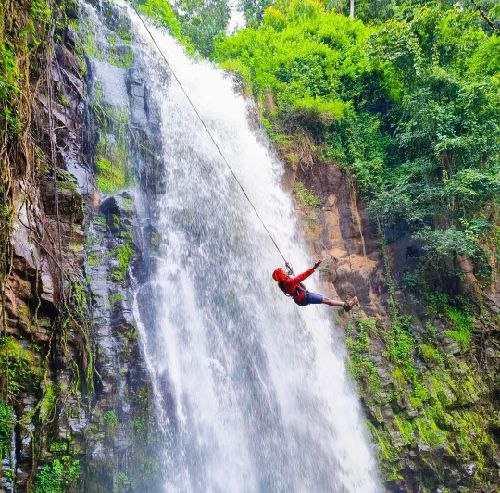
[{"x": 253, "y": 390}]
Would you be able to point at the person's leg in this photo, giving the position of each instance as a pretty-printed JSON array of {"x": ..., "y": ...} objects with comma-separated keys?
[
  {"x": 347, "y": 304},
  {"x": 313, "y": 298},
  {"x": 318, "y": 299},
  {"x": 329, "y": 301}
]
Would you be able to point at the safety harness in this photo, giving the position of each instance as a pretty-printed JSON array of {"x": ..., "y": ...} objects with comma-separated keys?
[{"x": 300, "y": 289}]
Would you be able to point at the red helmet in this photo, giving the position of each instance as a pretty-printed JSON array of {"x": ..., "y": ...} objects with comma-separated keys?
[{"x": 279, "y": 275}]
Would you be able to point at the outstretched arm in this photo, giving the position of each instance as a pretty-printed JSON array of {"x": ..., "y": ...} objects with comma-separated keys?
[
  {"x": 303, "y": 276},
  {"x": 306, "y": 274}
]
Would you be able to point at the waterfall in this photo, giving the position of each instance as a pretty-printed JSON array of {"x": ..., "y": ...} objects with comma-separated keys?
[{"x": 251, "y": 391}]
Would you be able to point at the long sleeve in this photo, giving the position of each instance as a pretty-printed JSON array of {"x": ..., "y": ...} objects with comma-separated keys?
[
  {"x": 303, "y": 276},
  {"x": 292, "y": 283}
]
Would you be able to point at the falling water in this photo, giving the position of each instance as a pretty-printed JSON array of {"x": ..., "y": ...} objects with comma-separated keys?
[{"x": 251, "y": 390}]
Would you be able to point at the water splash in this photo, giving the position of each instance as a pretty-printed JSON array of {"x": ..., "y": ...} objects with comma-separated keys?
[{"x": 253, "y": 390}]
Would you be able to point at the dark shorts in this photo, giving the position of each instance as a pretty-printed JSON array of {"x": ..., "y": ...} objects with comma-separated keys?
[{"x": 310, "y": 299}]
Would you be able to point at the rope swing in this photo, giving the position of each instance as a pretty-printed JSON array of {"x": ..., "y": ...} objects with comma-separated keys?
[{"x": 287, "y": 265}]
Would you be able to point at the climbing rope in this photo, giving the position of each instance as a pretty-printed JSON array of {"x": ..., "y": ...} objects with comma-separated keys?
[{"x": 287, "y": 265}]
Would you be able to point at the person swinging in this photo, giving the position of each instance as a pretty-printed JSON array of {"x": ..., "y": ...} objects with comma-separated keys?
[{"x": 292, "y": 286}]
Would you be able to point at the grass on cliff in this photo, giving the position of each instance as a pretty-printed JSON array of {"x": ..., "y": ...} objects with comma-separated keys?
[{"x": 306, "y": 196}]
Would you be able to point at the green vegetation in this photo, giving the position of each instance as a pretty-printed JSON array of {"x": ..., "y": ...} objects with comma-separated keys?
[
  {"x": 161, "y": 12},
  {"x": 110, "y": 176},
  {"x": 48, "y": 403},
  {"x": 6, "y": 426},
  {"x": 456, "y": 317},
  {"x": 111, "y": 420},
  {"x": 430, "y": 354},
  {"x": 41, "y": 11},
  {"x": 404, "y": 99},
  {"x": 400, "y": 345},
  {"x": 360, "y": 365},
  {"x": 432, "y": 393},
  {"x": 202, "y": 22},
  {"x": 139, "y": 425},
  {"x": 111, "y": 156},
  {"x": 24, "y": 370},
  {"x": 124, "y": 255},
  {"x": 306, "y": 196},
  {"x": 408, "y": 104},
  {"x": 93, "y": 259},
  {"x": 122, "y": 480},
  {"x": 194, "y": 23},
  {"x": 59, "y": 447},
  {"x": 78, "y": 316},
  {"x": 28, "y": 31},
  {"x": 20, "y": 36},
  {"x": 57, "y": 476},
  {"x": 462, "y": 326},
  {"x": 115, "y": 298},
  {"x": 114, "y": 55}
]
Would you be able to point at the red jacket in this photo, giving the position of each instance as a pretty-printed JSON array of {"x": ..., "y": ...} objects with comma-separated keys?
[{"x": 293, "y": 285}]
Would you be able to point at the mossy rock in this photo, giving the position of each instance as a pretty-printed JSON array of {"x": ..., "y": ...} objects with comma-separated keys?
[{"x": 25, "y": 367}]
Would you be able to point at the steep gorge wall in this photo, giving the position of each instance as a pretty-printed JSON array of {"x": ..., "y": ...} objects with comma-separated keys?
[
  {"x": 425, "y": 371},
  {"x": 45, "y": 349},
  {"x": 75, "y": 404}
]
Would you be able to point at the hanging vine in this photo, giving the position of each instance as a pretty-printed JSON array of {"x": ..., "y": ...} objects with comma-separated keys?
[{"x": 28, "y": 150}]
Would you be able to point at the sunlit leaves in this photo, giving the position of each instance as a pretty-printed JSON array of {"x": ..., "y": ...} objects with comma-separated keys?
[{"x": 408, "y": 103}]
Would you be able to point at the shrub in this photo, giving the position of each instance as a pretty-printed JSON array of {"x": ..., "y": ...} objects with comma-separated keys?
[
  {"x": 57, "y": 476},
  {"x": 306, "y": 196}
]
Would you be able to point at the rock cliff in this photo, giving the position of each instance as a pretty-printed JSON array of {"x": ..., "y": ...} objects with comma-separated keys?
[{"x": 425, "y": 370}]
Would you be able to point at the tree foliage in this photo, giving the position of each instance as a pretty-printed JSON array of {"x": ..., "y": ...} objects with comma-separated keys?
[
  {"x": 202, "y": 21},
  {"x": 407, "y": 100}
]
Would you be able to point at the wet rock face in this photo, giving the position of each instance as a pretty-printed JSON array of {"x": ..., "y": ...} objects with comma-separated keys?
[
  {"x": 339, "y": 230},
  {"x": 145, "y": 123},
  {"x": 42, "y": 337},
  {"x": 77, "y": 380},
  {"x": 122, "y": 379},
  {"x": 122, "y": 128}
]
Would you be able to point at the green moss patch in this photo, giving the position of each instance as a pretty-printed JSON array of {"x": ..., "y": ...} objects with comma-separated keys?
[
  {"x": 124, "y": 255},
  {"x": 121, "y": 56},
  {"x": 360, "y": 365},
  {"x": 110, "y": 176},
  {"x": 430, "y": 354},
  {"x": 7, "y": 423},
  {"x": 112, "y": 153},
  {"x": 48, "y": 403},
  {"x": 435, "y": 397},
  {"x": 111, "y": 420},
  {"x": 23, "y": 367}
]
